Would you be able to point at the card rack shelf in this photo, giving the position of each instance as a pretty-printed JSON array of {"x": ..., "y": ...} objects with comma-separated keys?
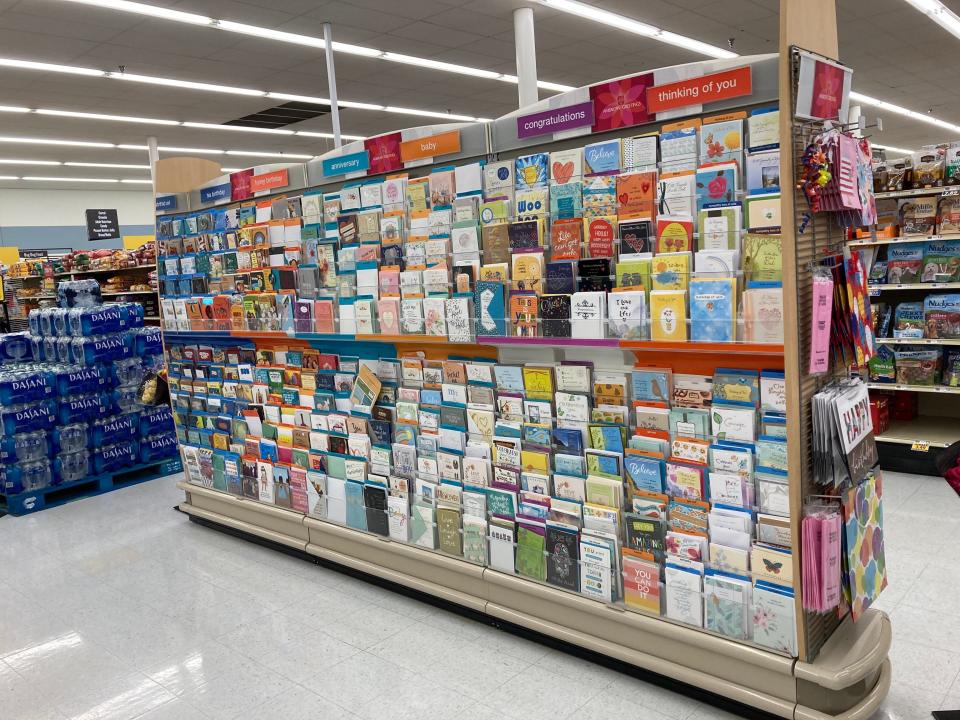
[{"x": 845, "y": 675}]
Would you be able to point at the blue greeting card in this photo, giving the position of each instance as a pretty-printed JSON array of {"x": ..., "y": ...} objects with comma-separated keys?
[
  {"x": 602, "y": 158},
  {"x": 713, "y": 309}
]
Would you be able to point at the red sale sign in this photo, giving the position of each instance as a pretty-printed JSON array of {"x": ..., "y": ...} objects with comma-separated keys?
[{"x": 701, "y": 90}]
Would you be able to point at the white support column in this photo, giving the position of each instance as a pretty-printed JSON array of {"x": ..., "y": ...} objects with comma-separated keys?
[
  {"x": 332, "y": 83},
  {"x": 853, "y": 118},
  {"x": 526, "y": 46},
  {"x": 153, "y": 154}
]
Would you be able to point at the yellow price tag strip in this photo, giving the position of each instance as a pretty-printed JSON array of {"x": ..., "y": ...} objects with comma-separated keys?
[{"x": 920, "y": 446}]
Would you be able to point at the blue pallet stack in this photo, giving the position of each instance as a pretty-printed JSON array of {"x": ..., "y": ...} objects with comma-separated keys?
[{"x": 69, "y": 408}]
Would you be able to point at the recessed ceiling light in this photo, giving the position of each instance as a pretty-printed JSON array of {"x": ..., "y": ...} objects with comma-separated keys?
[
  {"x": 7, "y": 161},
  {"x": 107, "y": 165},
  {"x": 71, "y": 179},
  {"x": 318, "y": 42},
  {"x": 622, "y": 22},
  {"x": 940, "y": 14},
  {"x": 103, "y": 116}
]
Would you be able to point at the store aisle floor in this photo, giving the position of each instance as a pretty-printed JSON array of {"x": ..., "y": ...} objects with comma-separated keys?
[{"x": 118, "y": 607}]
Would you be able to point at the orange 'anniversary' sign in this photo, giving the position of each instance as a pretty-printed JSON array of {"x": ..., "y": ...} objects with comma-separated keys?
[{"x": 431, "y": 146}]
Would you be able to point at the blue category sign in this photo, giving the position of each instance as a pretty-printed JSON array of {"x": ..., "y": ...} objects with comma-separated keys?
[
  {"x": 166, "y": 202},
  {"x": 214, "y": 193},
  {"x": 343, "y": 164}
]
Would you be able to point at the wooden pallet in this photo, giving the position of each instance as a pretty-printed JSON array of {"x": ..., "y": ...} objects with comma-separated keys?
[{"x": 32, "y": 501}]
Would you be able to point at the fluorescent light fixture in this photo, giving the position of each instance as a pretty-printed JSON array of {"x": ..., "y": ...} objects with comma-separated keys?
[
  {"x": 621, "y": 22},
  {"x": 357, "y": 50},
  {"x": 878, "y": 146},
  {"x": 67, "y": 143},
  {"x": 900, "y": 110},
  {"x": 188, "y": 84},
  {"x": 71, "y": 179},
  {"x": 106, "y": 165},
  {"x": 329, "y": 135},
  {"x": 237, "y": 128},
  {"x": 137, "y": 182},
  {"x": 6, "y": 161},
  {"x": 940, "y": 14},
  {"x": 152, "y": 10},
  {"x": 9, "y": 177},
  {"x": 14, "y": 109},
  {"x": 554, "y": 86},
  {"x": 230, "y": 170},
  {"x": 438, "y": 65},
  {"x": 429, "y": 113},
  {"x": 251, "y": 153},
  {"x": 313, "y": 100},
  {"x": 50, "y": 67},
  {"x": 265, "y": 33},
  {"x": 103, "y": 116},
  {"x": 192, "y": 151}
]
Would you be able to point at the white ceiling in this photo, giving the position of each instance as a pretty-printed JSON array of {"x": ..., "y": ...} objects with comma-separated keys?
[{"x": 897, "y": 55}]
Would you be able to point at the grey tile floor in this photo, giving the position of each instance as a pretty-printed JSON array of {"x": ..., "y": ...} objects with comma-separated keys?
[{"x": 117, "y": 608}]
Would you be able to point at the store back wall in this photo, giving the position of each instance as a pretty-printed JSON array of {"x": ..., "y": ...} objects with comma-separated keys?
[{"x": 56, "y": 218}]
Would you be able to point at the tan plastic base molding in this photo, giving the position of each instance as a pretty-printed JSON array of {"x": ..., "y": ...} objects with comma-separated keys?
[{"x": 847, "y": 681}]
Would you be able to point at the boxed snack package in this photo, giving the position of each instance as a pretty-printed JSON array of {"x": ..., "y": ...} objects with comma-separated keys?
[
  {"x": 905, "y": 263},
  {"x": 951, "y": 369},
  {"x": 882, "y": 366},
  {"x": 918, "y": 367},
  {"x": 941, "y": 316},
  {"x": 918, "y": 216},
  {"x": 903, "y": 405},
  {"x": 952, "y": 164},
  {"x": 948, "y": 215},
  {"x": 941, "y": 261},
  {"x": 909, "y": 320},
  {"x": 897, "y": 174},
  {"x": 928, "y": 166},
  {"x": 880, "y": 414}
]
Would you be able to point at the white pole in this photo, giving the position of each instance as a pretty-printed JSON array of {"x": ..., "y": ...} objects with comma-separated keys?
[
  {"x": 153, "y": 154},
  {"x": 332, "y": 83},
  {"x": 853, "y": 118},
  {"x": 526, "y": 46}
]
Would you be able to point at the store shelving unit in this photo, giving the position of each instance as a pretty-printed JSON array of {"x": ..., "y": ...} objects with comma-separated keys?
[
  {"x": 31, "y": 301},
  {"x": 914, "y": 192},
  {"x": 920, "y": 432},
  {"x": 841, "y": 671}
]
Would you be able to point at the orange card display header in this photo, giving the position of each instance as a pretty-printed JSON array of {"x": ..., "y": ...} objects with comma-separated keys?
[
  {"x": 700, "y": 91},
  {"x": 431, "y": 146},
  {"x": 269, "y": 181}
]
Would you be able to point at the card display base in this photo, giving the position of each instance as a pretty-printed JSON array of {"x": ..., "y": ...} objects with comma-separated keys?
[{"x": 847, "y": 681}]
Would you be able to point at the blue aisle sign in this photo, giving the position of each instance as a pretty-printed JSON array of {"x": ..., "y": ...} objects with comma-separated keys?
[
  {"x": 166, "y": 202},
  {"x": 343, "y": 164},
  {"x": 214, "y": 193}
]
